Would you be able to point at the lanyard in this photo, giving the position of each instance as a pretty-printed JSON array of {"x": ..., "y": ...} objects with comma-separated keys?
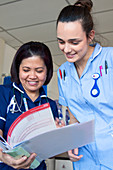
[{"x": 25, "y": 104}]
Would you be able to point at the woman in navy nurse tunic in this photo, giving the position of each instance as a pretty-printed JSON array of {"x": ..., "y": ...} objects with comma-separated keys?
[{"x": 31, "y": 68}]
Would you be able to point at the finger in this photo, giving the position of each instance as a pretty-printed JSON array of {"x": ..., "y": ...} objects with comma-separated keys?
[
  {"x": 24, "y": 163},
  {"x": 12, "y": 161},
  {"x": 1, "y": 149},
  {"x": 76, "y": 158},
  {"x": 59, "y": 123},
  {"x": 28, "y": 162},
  {"x": 57, "y": 120},
  {"x": 62, "y": 123},
  {"x": 70, "y": 153},
  {"x": 75, "y": 151}
]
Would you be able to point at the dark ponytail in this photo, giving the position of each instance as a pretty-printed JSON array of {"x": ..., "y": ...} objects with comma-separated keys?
[{"x": 80, "y": 11}]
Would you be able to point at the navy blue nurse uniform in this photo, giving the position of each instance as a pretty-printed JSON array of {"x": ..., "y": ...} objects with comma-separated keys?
[{"x": 7, "y": 116}]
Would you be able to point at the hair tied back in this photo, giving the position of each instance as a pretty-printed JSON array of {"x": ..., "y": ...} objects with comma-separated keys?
[{"x": 85, "y": 4}]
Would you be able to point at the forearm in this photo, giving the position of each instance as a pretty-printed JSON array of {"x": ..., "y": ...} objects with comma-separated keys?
[
  {"x": 72, "y": 118},
  {"x": 73, "y": 154},
  {"x": 1, "y": 132}
]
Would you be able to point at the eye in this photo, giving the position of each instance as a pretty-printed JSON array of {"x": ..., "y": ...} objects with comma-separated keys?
[
  {"x": 26, "y": 70},
  {"x": 61, "y": 42},
  {"x": 75, "y": 43},
  {"x": 39, "y": 70}
]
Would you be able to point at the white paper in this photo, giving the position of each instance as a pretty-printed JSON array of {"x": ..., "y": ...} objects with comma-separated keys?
[
  {"x": 35, "y": 121},
  {"x": 60, "y": 140}
]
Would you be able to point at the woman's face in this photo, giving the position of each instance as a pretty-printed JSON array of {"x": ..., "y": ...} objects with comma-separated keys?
[
  {"x": 72, "y": 41},
  {"x": 32, "y": 74}
]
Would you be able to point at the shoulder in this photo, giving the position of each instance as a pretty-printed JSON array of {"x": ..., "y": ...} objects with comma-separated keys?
[
  {"x": 107, "y": 53},
  {"x": 5, "y": 93},
  {"x": 5, "y": 89},
  {"x": 101, "y": 49},
  {"x": 64, "y": 66},
  {"x": 107, "y": 49}
]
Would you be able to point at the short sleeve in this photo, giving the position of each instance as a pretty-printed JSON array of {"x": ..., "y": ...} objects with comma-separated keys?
[{"x": 3, "y": 105}]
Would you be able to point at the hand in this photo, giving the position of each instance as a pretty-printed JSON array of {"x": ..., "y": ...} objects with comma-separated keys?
[
  {"x": 22, "y": 163},
  {"x": 73, "y": 155},
  {"x": 59, "y": 123}
]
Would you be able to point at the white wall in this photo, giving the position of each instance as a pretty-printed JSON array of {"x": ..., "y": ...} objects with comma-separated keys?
[
  {"x": 8, "y": 57},
  {"x": 2, "y": 49},
  {"x": 52, "y": 88}
]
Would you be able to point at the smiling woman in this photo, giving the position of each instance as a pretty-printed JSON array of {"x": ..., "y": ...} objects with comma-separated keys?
[
  {"x": 32, "y": 75},
  {"x": 85, "y": 83},
  {"x": 31, "y": 68}
]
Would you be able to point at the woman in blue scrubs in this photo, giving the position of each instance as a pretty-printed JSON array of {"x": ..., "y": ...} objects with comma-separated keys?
[
  {"x": 31, "y": 68},
  {"x": 85, "y": 83}
]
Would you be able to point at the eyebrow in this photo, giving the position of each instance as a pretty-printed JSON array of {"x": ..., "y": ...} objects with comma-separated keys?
[
  {"x": 70, "y": 40},
  {"x": 59, "y": 39},
  {"x": 35, "y": 68}
]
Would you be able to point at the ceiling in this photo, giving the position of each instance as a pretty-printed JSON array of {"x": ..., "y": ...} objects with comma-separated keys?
[{"x": 25, "y": 20}]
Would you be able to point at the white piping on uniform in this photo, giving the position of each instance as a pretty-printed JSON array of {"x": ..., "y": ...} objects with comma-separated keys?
[
  {"x": 17, "y": 88},
  {"x": 43, "y": 96},
  {"x": 2, "y": 118},
  {"x": 98, "y": 52}
]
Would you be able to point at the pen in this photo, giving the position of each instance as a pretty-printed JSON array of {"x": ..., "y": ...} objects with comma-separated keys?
[
  {"x": 100, "y": 67},
  {"x": 60, "y": 73},
  {"x": 106, "y": 67},
  {"x": 64, "y": 74},
  {"x": 3, "y": 144},
  {"x": 60, "y": 116}
]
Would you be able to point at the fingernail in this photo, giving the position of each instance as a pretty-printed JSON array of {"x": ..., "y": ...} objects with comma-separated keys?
[{"x": 24, "y": 157}]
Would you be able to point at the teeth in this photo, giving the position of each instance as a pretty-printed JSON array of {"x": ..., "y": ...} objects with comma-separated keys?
[{"x": 32, "y": 82}]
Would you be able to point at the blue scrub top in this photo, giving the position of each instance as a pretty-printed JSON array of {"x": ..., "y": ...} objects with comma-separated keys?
[
  {"x": 7, "y": 93},
  {"x": 91, "y": 97}
]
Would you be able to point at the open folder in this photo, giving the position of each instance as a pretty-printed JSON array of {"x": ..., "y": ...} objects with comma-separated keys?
[
  {"x": 53, "y": 141},
  {"x": 60, "y": 140}
]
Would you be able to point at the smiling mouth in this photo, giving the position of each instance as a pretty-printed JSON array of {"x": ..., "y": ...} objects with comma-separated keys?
[
  {"x": 70, "y": 56},
  {"x": 32, "y": 82}
]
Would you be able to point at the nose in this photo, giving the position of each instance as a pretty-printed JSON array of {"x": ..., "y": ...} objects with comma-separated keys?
[
  {"x": 32, "y": 75},
  {"x": 67, "y": 48}
]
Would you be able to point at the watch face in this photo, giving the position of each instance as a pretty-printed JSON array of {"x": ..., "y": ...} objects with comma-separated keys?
[{"x": 95, "y": 76}]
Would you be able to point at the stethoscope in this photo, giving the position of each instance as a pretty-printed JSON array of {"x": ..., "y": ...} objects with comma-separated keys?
[{"x": 14, "y": 103}]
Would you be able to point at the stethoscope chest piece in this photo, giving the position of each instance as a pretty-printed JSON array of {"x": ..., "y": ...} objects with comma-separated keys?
[{"x": 95, "y": 91}]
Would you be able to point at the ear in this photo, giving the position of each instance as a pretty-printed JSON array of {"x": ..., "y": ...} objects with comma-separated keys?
[{"x": 91, "y": 36}]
